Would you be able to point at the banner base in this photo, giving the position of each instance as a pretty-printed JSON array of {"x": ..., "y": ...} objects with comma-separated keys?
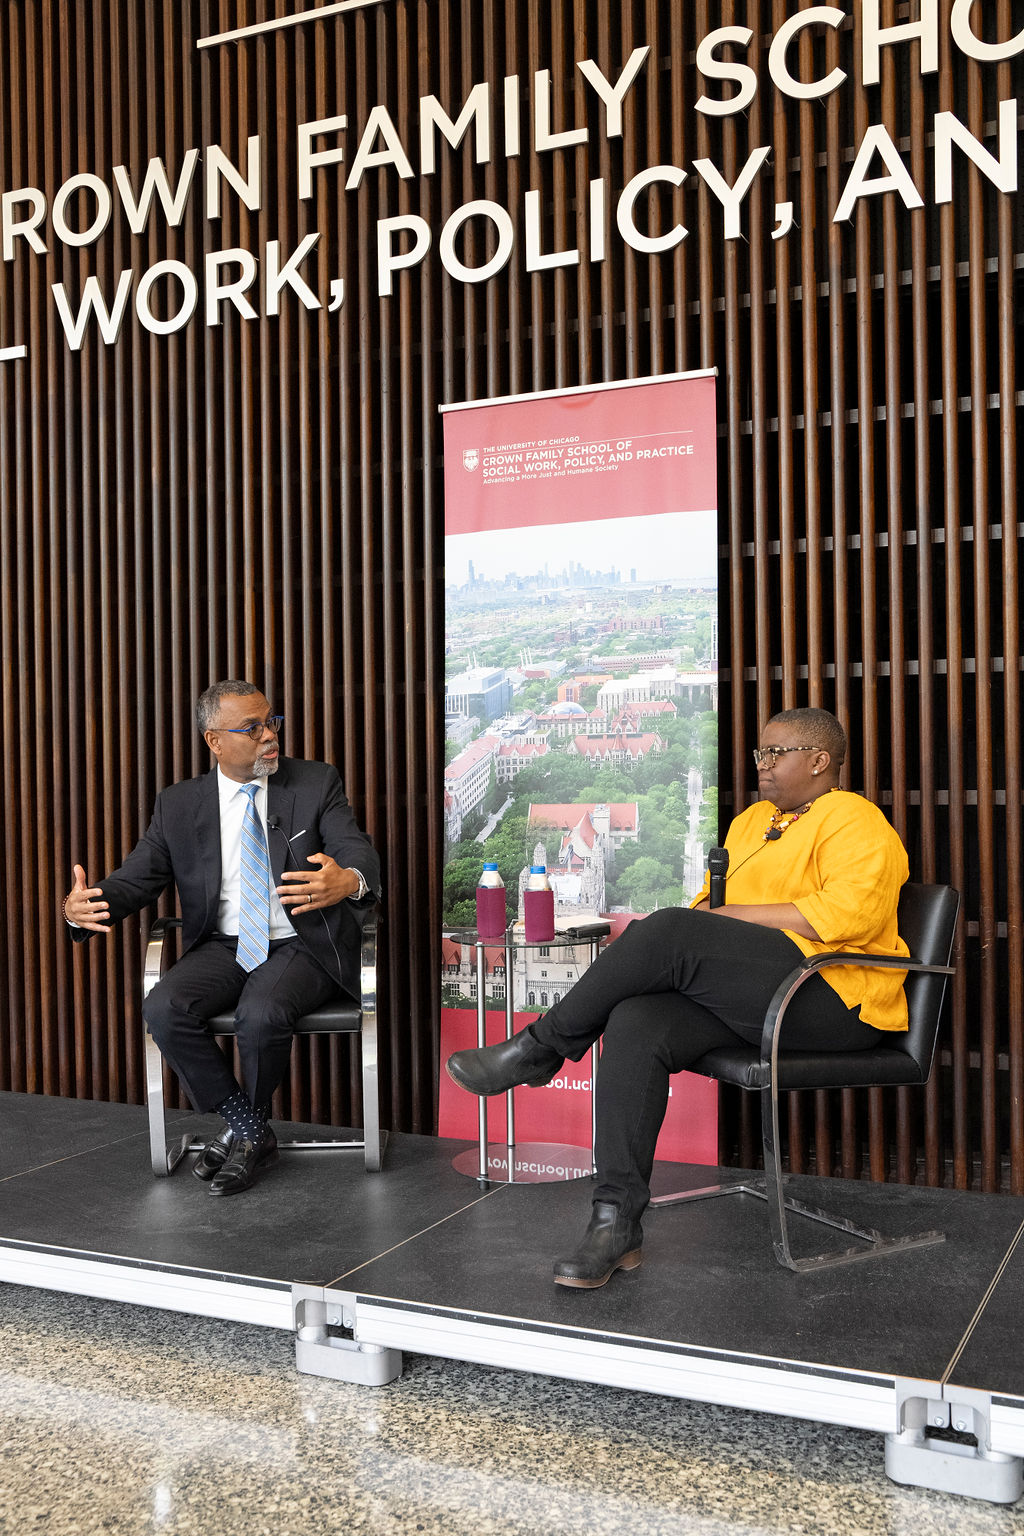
[{"x": 534, "y": 1162}]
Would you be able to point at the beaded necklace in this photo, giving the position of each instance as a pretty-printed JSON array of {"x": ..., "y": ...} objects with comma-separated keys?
[{"x": 781, "y": 820}]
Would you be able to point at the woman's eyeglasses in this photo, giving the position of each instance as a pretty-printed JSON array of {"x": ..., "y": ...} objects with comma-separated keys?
[{"x": 764, "y": 757}]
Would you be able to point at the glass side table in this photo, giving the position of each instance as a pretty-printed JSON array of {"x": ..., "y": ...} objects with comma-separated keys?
[{"x": 530, "y": 1162}]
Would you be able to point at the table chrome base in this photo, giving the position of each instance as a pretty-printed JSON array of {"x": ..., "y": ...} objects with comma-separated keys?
[{"x": 535, "y": 1162}]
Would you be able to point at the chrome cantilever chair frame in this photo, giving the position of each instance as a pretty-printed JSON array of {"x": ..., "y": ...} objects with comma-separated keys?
[
  {"x": 343, "y": 1016},
  {"x": 771, "y": 1187}
]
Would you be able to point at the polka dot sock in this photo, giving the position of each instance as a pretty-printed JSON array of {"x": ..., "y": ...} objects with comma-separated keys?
[{"x": 246, "y": 1122}]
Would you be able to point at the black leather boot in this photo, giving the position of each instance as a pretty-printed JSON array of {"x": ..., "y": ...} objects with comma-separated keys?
[
  {"x": 612, "y": 1241},
  {"x": 496, "y": 1068}
]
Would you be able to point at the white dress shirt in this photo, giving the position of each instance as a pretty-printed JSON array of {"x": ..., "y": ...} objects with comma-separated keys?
[{"x": 233, "y": 801}]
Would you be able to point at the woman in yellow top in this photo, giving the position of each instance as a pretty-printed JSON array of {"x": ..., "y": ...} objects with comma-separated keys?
[{"x": 811, "y": 868}]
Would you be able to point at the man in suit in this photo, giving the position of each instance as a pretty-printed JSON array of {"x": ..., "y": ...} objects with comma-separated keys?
[{"x": 272, "y": 873}]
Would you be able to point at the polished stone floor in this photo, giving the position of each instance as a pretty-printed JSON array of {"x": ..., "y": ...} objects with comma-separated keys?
[{"x": 127, "y": 1421}]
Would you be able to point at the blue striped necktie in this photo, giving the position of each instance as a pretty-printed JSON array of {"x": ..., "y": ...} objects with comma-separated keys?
[{"x": 254, "y": 889}]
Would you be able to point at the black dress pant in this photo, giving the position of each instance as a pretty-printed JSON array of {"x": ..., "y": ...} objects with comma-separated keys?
[
  {"x": 674, "y": 986},
  {"x": 267, "y": 1002}
]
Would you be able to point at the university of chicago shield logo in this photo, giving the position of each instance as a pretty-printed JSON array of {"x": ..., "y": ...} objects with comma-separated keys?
[{"x": 470, "y": 458}]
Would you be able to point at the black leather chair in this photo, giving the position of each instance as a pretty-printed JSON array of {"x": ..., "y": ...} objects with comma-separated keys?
[
  {"x": 927, "y": 922},
  {"x": 342, "y": 1017}
]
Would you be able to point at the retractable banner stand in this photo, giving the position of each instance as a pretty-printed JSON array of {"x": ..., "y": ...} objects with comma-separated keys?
[{"x": 581, "y": 698}]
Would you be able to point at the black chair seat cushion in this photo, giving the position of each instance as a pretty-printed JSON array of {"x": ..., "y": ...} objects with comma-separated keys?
[
  {"x": 741, "y": 1066},
  {"x": 341, "y": 1017}
]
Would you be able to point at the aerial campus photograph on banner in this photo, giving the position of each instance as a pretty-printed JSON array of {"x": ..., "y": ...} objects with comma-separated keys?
[
  {"x": 581, "y": 697},
  {"x": 581, "y": 667}
]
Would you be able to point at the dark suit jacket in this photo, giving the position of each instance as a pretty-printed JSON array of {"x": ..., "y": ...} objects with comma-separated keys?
[{"x": 182, "y": 844}]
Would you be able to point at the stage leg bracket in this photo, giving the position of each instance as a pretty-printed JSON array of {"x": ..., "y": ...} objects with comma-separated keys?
[
  {"x": 944, "y": 1443},
  {"x": 327, "y": 1340}
]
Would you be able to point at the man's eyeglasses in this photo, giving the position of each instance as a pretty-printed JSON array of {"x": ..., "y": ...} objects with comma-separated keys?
[
  {"x": 764, "y": 757},
  {"x": 255, "y": 731}
]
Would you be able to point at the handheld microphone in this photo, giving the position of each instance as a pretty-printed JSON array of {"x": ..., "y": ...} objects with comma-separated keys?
[{"x": 718, "y": 864}]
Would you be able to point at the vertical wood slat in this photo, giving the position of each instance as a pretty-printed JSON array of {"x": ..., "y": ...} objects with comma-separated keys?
[
  {"x": 681, "y": 114},
  {"x": 603, "y": 33},
  {"x": 13, "y": 500},
  {"x": 411, "y": 723},
  {"x": 384, "y": 515},
  {"x": 179, "y": 490},
  {"x": 1012, "y": 743},
  {"x": 950, "y": 394},
  {"x": 29, "y": 577},
  {"x": 742, "y": 584},
  {"x": 815, "y": 586},
  {"x": 983, "y": 721},
  {"x": 124, "y": 532},
  {"x": 786, "y": 645},
  {"x": 760, "y": 410},
  {"x": 60, "y": 1079},
  {"x": 764, "y": 520},
  {"x": 629, "y": 351},
  {"x": 894, "y": 737},
  {"x": 134, "y": 128},
  {"x": 427, "y": 502},
  {"x": 585, "y": 276},
  {"x": 109, "y": 1039},
  {"x": 921, "y": 593}
]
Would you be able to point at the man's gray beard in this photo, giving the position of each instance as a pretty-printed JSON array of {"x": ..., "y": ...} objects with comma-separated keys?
[{"x": 262, "y": 769}]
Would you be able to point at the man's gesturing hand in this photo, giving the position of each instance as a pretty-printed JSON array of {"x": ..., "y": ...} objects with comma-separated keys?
[
  {"x": 86, "y": 905},
  {"x": 310, "y": 890}
]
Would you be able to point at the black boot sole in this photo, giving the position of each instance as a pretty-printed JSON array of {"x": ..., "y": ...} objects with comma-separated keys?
[{"x": 631, "y": 1260}]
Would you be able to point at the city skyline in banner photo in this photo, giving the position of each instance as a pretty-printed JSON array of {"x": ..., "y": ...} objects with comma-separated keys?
[{"x": 508, "y": 119}]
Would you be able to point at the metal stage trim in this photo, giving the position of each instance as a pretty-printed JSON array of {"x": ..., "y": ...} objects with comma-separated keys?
[
  {"x": 232, "y": 1298},
  {"x": 856, "y": 1400},
  {"x": 1007, "y": 1421}
]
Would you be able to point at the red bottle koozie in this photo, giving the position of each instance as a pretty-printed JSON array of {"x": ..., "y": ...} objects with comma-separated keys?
[
  {"x": 490, "y": 911},
  {"x": 539, "y": 916}
]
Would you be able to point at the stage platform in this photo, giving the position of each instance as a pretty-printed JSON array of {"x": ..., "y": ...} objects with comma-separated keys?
[{"x": 923, "y": 1347}]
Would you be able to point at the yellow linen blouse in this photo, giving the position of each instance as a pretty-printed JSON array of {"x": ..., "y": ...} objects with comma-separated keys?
[{"x": 842, "y": 865}]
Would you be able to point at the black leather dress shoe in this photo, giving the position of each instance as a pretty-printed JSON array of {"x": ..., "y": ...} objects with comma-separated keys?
[
  {"x": 213, "y": 1156},
  {"x": 521, "y": 1061},
  {"x": 242, "y": 1161},
  {"x": 612, "y": 1241}
]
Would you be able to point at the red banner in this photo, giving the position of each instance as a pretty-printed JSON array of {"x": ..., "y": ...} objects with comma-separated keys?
[
  {"x": 560, "y": 1112},
  {"x": 581, "y": 559},
  {"x": 620, "y": 451}
]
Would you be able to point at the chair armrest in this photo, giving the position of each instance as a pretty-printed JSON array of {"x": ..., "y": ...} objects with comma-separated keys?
[
  {"x": 787, "y": 990},
  {"x": 156, "y": 951}
]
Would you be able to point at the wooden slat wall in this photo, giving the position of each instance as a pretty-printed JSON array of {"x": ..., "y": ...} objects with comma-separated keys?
[{"x": 264, "y": 497}]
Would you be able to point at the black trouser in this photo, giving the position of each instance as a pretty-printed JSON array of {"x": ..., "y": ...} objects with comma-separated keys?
[
  {"x": 674, "y": 986},
  {"x": 267, "y": 1002}
]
